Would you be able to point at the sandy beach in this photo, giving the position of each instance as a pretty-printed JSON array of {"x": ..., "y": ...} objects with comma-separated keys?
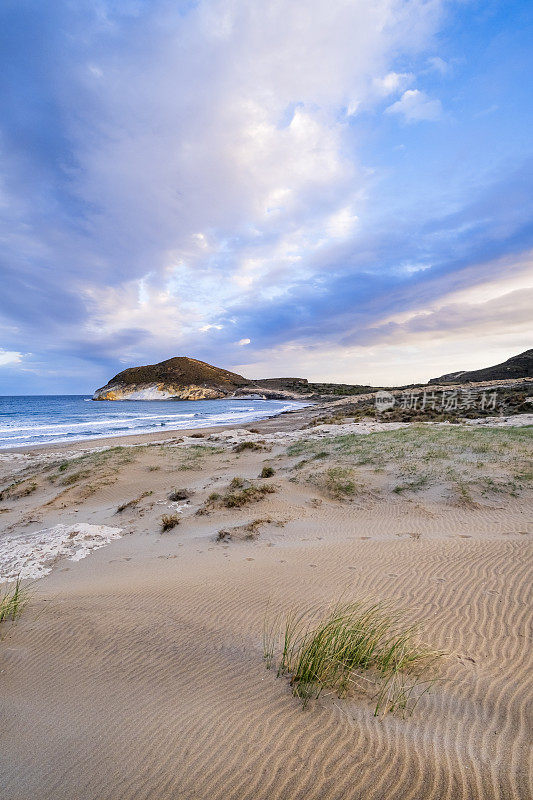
[{"x": 137, "y": 670}]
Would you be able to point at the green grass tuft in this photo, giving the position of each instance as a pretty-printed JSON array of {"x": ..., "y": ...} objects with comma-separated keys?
[
  {"x": 352, "y": 647},
  {"x": 12, "y": 601},
  {"x": 338, "y": 482}
]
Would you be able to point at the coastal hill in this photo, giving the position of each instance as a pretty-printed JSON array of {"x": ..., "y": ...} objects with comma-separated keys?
[
  {"x": 178, "y": 378},
  {"x": 183, "y": 378},
  {"x": 520, "y": 366}
]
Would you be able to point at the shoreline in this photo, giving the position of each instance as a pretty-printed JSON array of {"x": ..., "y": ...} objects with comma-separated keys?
[
  {"x": 150, "y": 436},
  {"x": 293, "y": 422}
]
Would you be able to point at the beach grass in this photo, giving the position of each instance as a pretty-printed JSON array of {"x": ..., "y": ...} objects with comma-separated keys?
[
  {"x": 349, "y": 648},
  {"x": 12, "y": 601},
  {"x": 468, "y": 462},
  {"x": 239, "y": 497},
  {"x": 242, "y": 446},
  {"x": 338, "y": 482}
]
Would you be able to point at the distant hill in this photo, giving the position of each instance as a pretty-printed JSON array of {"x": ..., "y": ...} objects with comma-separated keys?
[{"x": 520, "y": 366}]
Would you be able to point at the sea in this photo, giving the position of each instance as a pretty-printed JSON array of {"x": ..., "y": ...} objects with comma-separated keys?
[{"x": 48, "y": 419}]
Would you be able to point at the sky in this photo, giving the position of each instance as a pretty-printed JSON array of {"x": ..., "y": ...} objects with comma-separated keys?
[{"x": 338, "y": 190}]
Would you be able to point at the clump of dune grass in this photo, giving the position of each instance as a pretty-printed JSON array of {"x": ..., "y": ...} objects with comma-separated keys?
[
  {"x": 169, "y": 521},
  {"x": 247, "y": 494},
  {"x": 12, "y": 601},
  {"x": 267, "y": 472},
  {"x": 337, "y": 482},
  {"x": 75, "y": 477},
  {"x": 18, "y": 490},
  {"x": 415, "y": 485},
  {"x": 354, "y": 647},
  {"x": 239, "y": 448},
  {"x": 132, "y": 503},
  {"x": 239, "y": 493}
]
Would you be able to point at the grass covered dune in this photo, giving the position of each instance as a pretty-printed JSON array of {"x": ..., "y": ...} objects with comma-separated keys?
[{"x": 335, "y": 612}]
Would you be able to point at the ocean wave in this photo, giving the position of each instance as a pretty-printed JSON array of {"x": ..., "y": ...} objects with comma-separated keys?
[
  {"x": 93, "y": 422},
  {"x": 77, "y": 426}
]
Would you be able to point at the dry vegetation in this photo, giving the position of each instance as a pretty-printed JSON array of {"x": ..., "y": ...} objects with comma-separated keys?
[
  {"x": 133, "y": 503},
  {"x": 242, "y": 446},
  {"x": 240, "y": 493},
  {"x": 169, "y": 521},
  {"x": 247, "y": 532}
]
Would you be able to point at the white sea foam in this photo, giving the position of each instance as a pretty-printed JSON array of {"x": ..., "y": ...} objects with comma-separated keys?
[{"x": 33, "y": 555}]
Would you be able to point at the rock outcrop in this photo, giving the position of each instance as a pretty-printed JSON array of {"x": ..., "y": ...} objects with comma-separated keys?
[{"x": 183, "y": 378}]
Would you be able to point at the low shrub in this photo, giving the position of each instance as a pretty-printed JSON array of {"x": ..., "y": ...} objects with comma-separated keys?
[
  {"x": 239, "y": 448},
  {"x": 179, "y": 494},
  {"x": 169, "y": 521}
]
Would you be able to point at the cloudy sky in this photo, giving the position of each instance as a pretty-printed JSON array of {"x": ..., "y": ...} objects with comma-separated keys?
[{"x": 335, "y": 189}]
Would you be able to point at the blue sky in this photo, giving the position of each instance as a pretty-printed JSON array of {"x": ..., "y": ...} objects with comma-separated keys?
[{"x": 340, "y": 190}]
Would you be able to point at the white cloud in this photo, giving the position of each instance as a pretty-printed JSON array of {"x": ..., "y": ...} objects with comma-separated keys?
[
  {"x": 393, "y": 82},
  {"x": 243, "y": 342},
  {"x": 210, "y": 163},
  {"x": 415, "y": 106},
  {"x": 9, "y": 357},
  {"x": 186, "y": 160}
]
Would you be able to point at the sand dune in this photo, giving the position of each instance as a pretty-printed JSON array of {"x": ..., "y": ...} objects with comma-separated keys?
[{"x": 137, "y": 672}]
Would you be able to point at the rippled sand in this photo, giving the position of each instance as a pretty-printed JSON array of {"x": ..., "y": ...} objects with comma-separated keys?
[{"x": 137, "y": 672}]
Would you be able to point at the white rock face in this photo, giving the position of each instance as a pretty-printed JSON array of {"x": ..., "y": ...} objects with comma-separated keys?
[
  {"x": 32, "y": 555},
  {"x": 158, "y": 391},
  {"x": 148, "y": 393}
]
